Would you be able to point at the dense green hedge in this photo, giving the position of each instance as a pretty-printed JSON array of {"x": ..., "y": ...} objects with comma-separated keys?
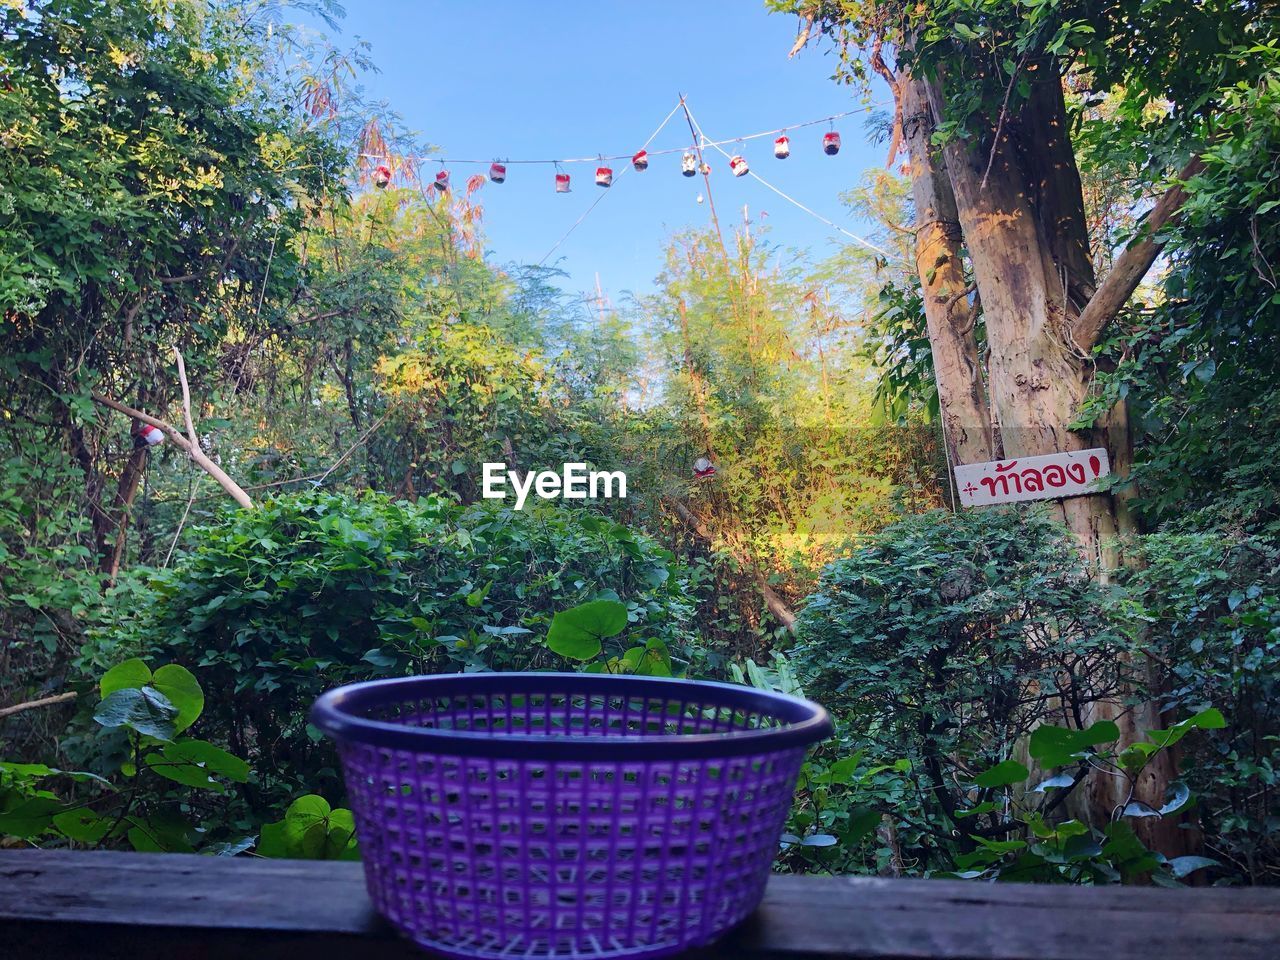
[
  {"x": 274, "y": 605},
  {"x": 943, "y": 641},
  {"x": 1210, "y": 603}
]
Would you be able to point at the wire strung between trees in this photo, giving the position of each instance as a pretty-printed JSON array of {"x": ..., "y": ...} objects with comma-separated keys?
[
  {"x": 700, "y": 142},
  {"x": 577, "y": 223},
  {"x": 705, "y": 168},
  {"x": 790, "y": 199},
  {"x": 627, "y": 156}
]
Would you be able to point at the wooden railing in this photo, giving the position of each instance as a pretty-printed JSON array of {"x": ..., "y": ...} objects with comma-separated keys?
[{"x": 58, "y": 905}]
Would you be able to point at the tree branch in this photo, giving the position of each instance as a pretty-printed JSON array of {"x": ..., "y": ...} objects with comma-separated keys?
[
  {"x": 194, "y": 450},
  {"x": 192, "y": 445},
  {"x": 802, "y": 38},
  {"x": 1131, "y": 266},
  {"x": 32, "y": 704}
]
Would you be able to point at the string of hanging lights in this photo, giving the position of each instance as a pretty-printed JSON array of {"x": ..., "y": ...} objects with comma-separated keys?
[
  {"x": 689, "y": 165},
  {"x": 639, "y": 161}
]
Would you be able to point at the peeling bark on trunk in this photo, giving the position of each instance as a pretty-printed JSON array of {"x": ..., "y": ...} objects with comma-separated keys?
[
  {"x": 962, "y": 397},
  {"x": 1036, "y": 381}
]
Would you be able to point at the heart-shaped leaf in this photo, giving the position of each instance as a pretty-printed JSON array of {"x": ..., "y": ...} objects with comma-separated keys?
[
  {"x": 1136, "y": 808},
  {"x": 819, "y": 840},
  {"x": 577, "y": 633},
  {"x": 1175, "y": 797},
  {"x": 83, "y": 825},
  {"x": 30, "y": 818},
  {"x": 310, "y": 830},
  {"x": 1057, "y": 746},
  {"x": 1182, "y": 866},
  {"x": 182, "y": 689},
  {"x": 196, "y": 763},
  {"x": 132, "y": 674},
  {"x": 1054, "y": 783}
]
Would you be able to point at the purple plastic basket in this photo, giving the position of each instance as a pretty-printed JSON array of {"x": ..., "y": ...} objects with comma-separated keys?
[{"x": 516, "y": 815}]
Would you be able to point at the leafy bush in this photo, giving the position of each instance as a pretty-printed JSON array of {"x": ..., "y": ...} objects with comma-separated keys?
[
  {"x": 50, "y": 586},
  {"x": 579, "y": 634},
  {"x": 943, "y": 642},
  {"x": 1212, "y": 605},
  {"x": 141, "y": 791},
  {"x": 275, "y": 605},
  {"x": 1069, "y": 851},
  {"x": 154, "y": 789},
  {"x": 1200, "y": 364}
]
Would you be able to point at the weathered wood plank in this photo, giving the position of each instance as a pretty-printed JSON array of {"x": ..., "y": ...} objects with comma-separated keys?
[{"x": 143, "y": 906}]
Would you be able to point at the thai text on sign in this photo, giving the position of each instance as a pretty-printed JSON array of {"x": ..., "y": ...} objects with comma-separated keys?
[{"x": 1049, "y": 477}]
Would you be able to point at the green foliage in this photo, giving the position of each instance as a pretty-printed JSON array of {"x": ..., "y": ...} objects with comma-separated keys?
[
  {"x": 946, "y": 638},
  {"x": 172, "y": 683},
  {"x": 310, "y": 830},
  {"x": 1198, "y": 363},
  {"x": 901, "y": 352},
  {"x": 135, "y": 150},
  {"x": 1028, "y": 846},
  {"x": 577, "y": 633},
  {"x": 161, "y": 185},
  {"x": 278, "y": 604},
  {"x": 1150, "y": 51},
  {"x": 140, "y": 756},
  {"x": 50, "y": 588},
  {"x": 764, "y": 375},
  {"x": 148, "y": 175},
  {"x": 947, "y": 613},
  {"x": 486, "y": 397},
  {"x": 1210, "y": 605},
  {"x": 839, "y": 822}
]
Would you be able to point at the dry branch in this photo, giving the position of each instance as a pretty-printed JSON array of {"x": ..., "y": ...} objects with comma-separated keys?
[
  {"x": 802, "y": 38},
  {"x": 32, "y": 704},
  {"x": 189, "y": 443}
]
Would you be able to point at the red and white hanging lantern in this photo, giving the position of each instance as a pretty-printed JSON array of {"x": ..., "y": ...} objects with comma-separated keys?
[
  {"x": 705, "y": 169},
  {"x": 604, "y": 176},
  {"x": 562, "y": 183},
  {"x": 782, "y": 147},
  {"x": 146, "y": 435},
  {"x": 381, "y": 177},
  {"x": 442, "y": 181},
  {"x": 831, "y": 143},
  {"x": 689, "y": 165},
  {"x": 641, "y": 161},
  {"x": 703, "y": 468},
  {"x": 497, "y": 172},
  {"x": 739, "y": 166}
]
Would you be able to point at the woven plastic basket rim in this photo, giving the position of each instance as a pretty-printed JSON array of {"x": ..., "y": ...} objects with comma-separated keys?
[{"x": 337, "y": 713}]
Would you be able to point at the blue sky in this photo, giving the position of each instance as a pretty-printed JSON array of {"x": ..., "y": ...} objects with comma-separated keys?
[{"x": 514, "y": 79}]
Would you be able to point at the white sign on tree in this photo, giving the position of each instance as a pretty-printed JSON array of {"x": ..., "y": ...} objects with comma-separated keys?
[{"x": 1049, "y": 477}]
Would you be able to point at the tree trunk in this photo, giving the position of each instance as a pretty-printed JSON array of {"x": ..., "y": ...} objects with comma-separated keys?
[
  {"x": 1037, "y": 382},
  {"x": 962, "y": 397},
  {"x": 126, "y": 492},
  {"x": 1020, "y": 208}
]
